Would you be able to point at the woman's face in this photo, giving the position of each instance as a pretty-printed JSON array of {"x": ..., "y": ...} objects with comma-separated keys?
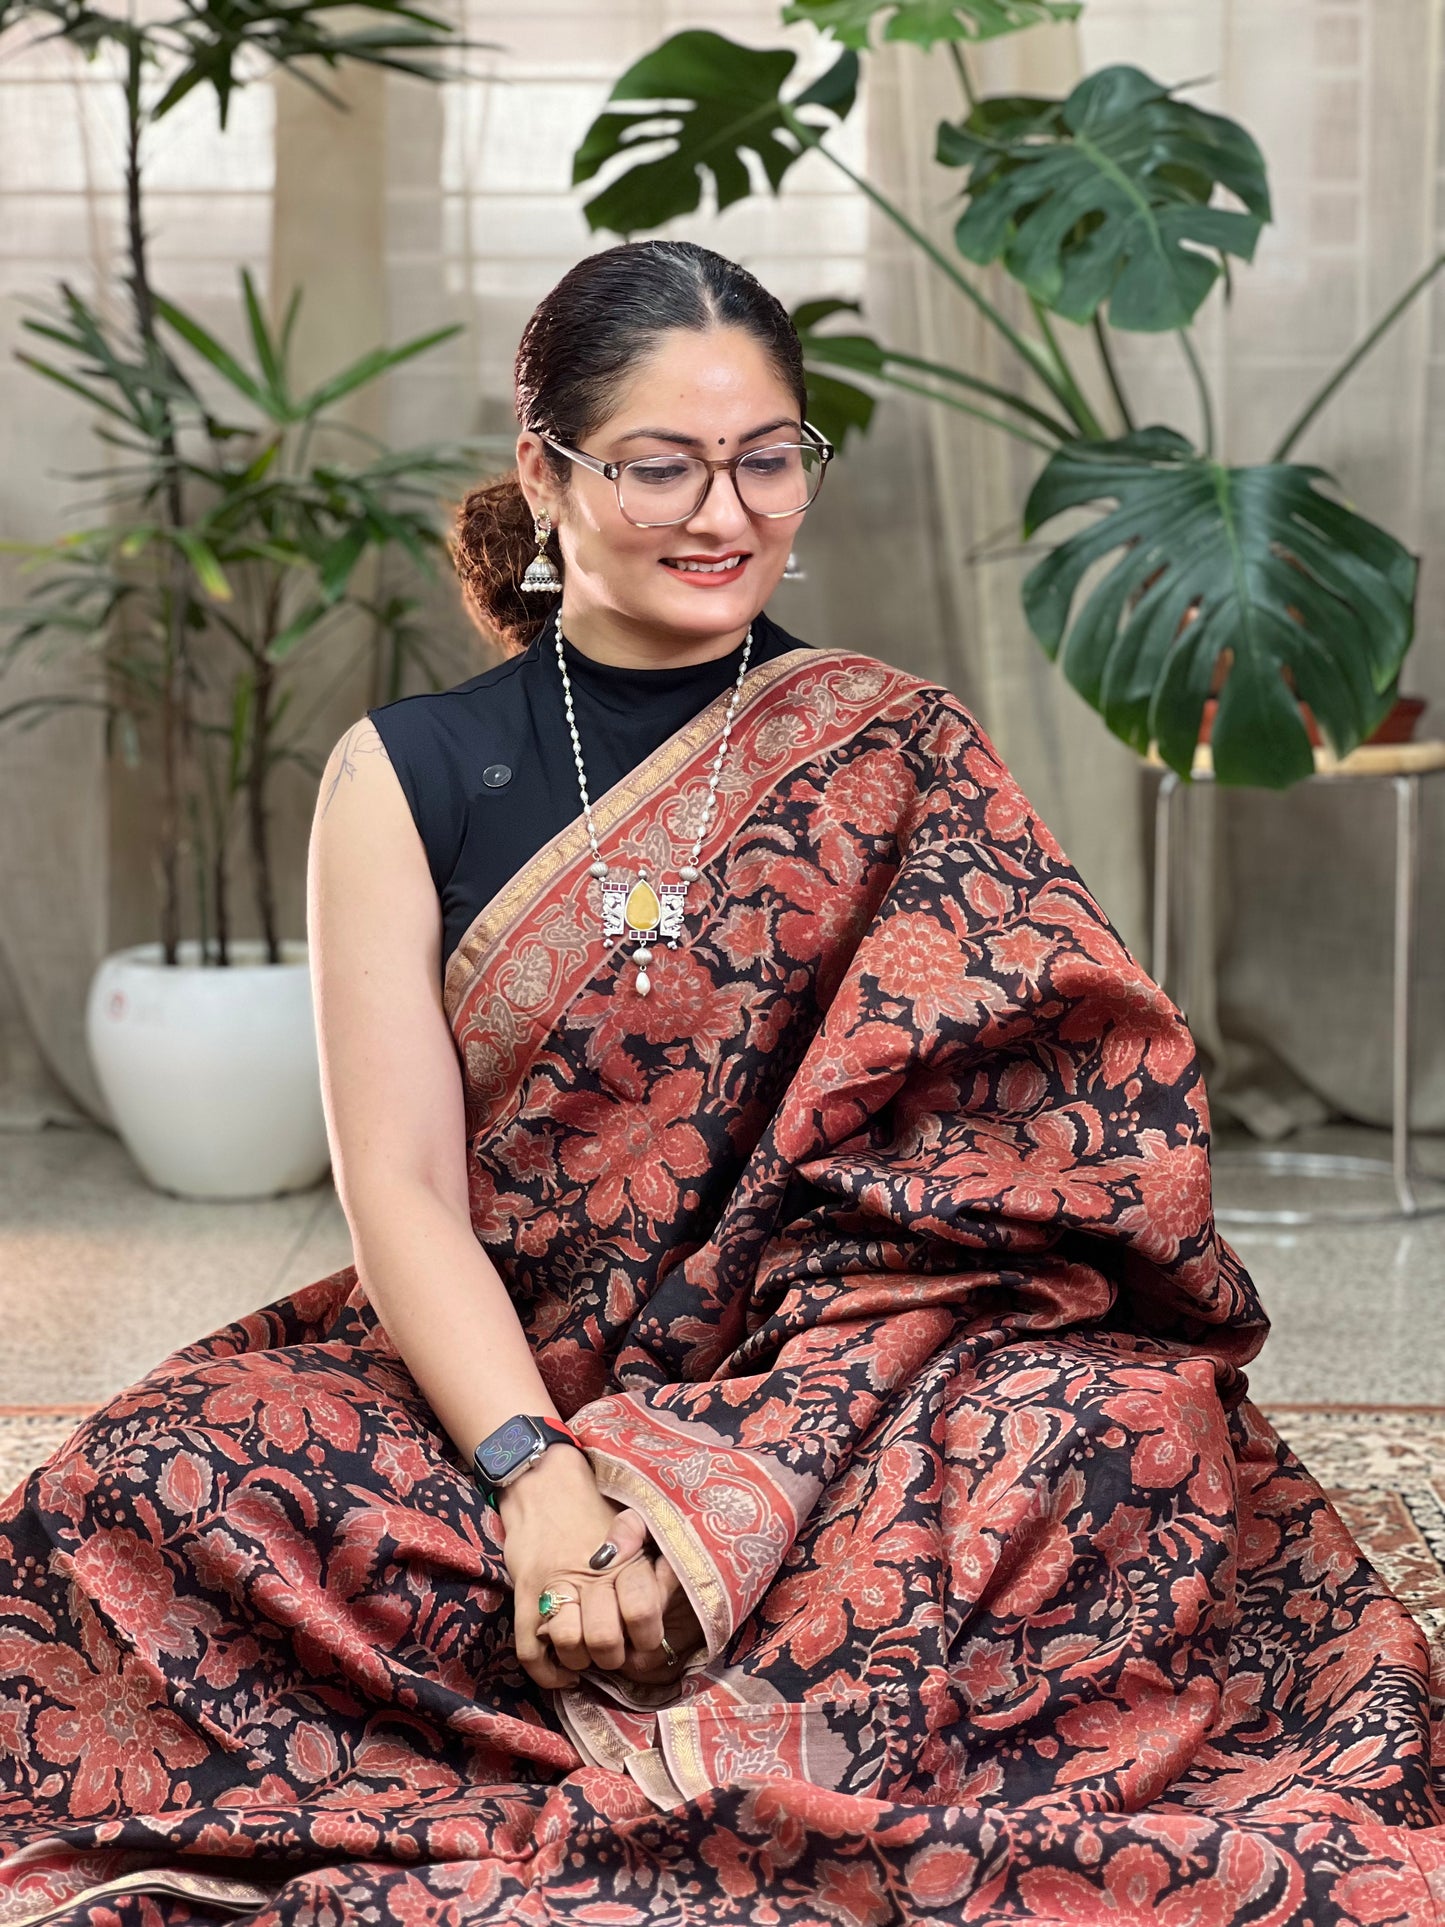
[{"x": 713, "y": 394}]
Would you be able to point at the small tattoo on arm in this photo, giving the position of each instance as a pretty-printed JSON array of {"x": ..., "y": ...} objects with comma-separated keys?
[{"x": 361, "y": 739}]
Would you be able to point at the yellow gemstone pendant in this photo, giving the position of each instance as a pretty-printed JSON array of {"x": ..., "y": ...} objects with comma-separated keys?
[{"x": 643, "y": 911}]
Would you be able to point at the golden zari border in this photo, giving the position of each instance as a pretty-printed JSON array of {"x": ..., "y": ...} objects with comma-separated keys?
[
  {"x": 620, "y": 1481},
  {"x": 216, "y": 1891}
]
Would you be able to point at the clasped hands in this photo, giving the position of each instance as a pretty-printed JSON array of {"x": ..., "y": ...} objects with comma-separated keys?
[{"x": 620, "y": 1611}]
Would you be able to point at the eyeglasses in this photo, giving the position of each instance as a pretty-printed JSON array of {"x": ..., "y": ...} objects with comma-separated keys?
[{"x": 654, "y": 491}]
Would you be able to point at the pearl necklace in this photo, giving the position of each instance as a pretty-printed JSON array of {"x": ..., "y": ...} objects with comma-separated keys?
[{"x": 637, "y": 911}]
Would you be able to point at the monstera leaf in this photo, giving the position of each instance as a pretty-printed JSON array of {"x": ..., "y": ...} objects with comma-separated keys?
[
  {"x": 708, "y": 100},
  {"x": 926, "y": 22},
  {"x": 1196, "y": 562},
  {"x": 835, "y": 405},
  {"x": 1106, "y": 196}
]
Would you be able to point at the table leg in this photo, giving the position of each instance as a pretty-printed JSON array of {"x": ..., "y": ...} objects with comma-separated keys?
[
  {"x": 1163, "y": 825},
  {"x": 1407, "y": 838}
]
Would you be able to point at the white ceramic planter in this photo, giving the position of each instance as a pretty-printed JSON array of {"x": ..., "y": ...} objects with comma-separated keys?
[{"x": 211, "y": 1074}]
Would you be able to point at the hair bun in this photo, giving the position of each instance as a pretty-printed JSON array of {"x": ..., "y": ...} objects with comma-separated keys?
[{"x": 492, "y": 543}]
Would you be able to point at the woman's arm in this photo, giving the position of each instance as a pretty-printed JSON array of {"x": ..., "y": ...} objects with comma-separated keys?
[
  {"x": 394, "y": 1109},
  {"x": 391, "y": 1080}
]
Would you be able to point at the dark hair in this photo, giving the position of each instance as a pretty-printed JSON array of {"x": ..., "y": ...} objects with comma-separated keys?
[{"x": 583, "y": 341}]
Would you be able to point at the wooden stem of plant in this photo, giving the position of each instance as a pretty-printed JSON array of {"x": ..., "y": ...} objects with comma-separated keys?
[
  {"x": 258, "y": 769},
  {"x": 221, "y": 898},
  {"x": 258, "y": 818},
  {"x": 1353, "y": 359},
  {"x": 217, "y": 915},
  {"x": 175, "y": 680},
  {"x": 198, "y": 863}
]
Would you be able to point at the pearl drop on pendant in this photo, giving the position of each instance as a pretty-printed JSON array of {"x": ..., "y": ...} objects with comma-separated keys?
[{"x": 644, "y": 983}]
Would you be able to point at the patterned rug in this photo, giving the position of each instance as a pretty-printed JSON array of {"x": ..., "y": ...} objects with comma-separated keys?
[{"x": 1383, "y": 1466}]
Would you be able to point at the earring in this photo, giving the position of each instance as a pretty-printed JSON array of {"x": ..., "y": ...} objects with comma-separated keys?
[
  {"x": 793, "y": 571},
  {"x": 541, "y": 577}
]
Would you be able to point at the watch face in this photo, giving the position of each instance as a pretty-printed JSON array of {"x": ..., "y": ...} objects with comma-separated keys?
[{"x": 503, "y": 1450}]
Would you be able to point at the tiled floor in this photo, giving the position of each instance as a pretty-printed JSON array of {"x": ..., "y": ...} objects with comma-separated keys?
[
  {"x": 100, "y": 1277},
  {"x": 1358, "y": 1309}
]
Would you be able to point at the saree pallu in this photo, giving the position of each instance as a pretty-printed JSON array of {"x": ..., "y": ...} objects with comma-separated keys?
[{"x": 871, "y": 1257}]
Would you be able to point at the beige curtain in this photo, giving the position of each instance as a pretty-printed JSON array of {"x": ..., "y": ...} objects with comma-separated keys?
[
  {"x": 57, "y": 209},
  {"x": 420, "y": 207}
]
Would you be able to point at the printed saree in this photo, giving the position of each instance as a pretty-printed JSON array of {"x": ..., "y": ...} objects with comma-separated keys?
[{"x": 872, "y": 1258}]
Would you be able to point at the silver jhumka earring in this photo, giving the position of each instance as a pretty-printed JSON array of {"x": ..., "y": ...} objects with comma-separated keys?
[{"x": 541, "y": 577}]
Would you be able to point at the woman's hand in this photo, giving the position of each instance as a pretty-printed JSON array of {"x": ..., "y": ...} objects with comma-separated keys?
[
  {"x": 555, "y": 1519},
  {"x": 679, "y": 1623}
]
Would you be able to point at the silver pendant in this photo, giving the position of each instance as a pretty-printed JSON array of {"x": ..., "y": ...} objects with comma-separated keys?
[
  {"x": 672, "y": 897},
  {"x": 614, "y": 908},
  {"x": 641, "y": 913}
]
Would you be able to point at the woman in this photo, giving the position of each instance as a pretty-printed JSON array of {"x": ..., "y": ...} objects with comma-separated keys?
[{"x": 781, "y": 1452}]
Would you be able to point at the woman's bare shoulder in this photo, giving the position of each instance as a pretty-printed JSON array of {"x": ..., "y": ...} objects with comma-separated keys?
[
  {"x": 357, "y": 754},
  {"x": 366, "y": 859}
]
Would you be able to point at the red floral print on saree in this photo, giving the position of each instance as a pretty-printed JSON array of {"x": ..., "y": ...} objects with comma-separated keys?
[{"x": 872, "y": 1259}]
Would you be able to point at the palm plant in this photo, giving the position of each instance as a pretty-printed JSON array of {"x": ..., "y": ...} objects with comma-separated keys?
[
  {"x": 268, "y": 560},
  {"x": 1119, "y": 208},
  {"x": 159, "y": 578}
]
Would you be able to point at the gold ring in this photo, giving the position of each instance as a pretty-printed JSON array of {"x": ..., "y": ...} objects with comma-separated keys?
[
  {"x": 552, "y": 1599},
  {"x": 667, "y": 1648}
]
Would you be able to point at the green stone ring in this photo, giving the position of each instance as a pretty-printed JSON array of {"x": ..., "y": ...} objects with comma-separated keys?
[{"x": 552, "y": 1600}]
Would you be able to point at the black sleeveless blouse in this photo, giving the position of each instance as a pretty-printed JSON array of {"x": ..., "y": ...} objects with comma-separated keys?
[{"x": 487, "y": 766}]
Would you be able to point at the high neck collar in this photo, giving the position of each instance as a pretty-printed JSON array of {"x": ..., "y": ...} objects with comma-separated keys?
[{"x": 662, "y": 676}]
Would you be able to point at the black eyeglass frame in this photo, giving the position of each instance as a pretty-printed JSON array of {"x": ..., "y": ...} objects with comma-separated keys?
[{"x": 613, "y": 472}]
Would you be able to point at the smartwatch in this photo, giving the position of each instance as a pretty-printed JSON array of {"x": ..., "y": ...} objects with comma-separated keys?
[{"x": 517, "y": 1443}]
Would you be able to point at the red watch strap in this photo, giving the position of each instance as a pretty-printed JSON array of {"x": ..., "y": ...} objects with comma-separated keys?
[{"x": 554, "y": 1425}]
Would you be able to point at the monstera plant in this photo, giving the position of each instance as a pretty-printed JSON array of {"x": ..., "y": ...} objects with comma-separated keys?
[{"x": 1120, "y": 209}]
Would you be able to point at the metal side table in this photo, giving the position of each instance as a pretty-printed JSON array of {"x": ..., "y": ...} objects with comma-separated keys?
[{"x": 1404, "y": 767}]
